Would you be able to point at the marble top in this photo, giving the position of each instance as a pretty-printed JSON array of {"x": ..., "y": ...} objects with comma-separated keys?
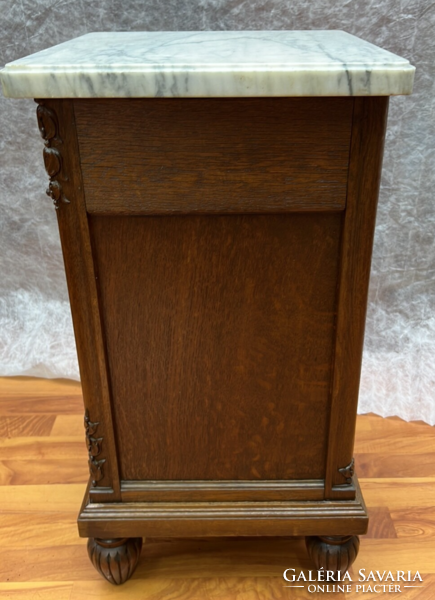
[{"x": 209, "y": 64}]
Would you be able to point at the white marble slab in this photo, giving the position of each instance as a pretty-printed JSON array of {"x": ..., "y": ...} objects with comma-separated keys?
[{"x": 209, "y": 64}]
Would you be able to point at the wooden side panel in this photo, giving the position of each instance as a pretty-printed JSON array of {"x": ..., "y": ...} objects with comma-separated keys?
[
  {"x": 369, "y": 123},
  {"x": 61, "y": 157},
  {"x": 257, "y": 155},
  {"x": 219, "y": 337}
]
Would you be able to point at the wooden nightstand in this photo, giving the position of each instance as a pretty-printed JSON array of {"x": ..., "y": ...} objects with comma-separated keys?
[{"x": 216, "y": 196}]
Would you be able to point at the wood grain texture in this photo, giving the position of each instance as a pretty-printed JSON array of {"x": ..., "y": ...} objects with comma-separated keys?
[
  {"x": 381, "y": 524},
  {"x": 206, "y": 344},
  {"x": 67, "y": 426},
  {"x": 12, "y": 406},
  {"x": 152, "y": 491},
  {"x": 388, "y": 443},
  {"x": 219, "y": 335},
  {"x": 26, "y": 425},
  {"x": 397, "y": 554},
  {"x": 38, "y": 529},
  {"x": 46, "y": 590},
  {"x": 77, "y": 254},
  {"x": 401, "y": 464},
  {"x": 35, "y": 400},
  {"x": 414, "y": 522},
  {"x": 368, "y": 133},
  {"x": 336, "y": 553},
  {"x": 209, "y": 342},
  {"x": 152, "y": 519},
  {"x": 43, "y": 557},
  {"x": 258, "y": 155},
  {"x": 115, "y": 559},
  {"x": 400, "y": 492},
  {"x": 34, "y": 498},
  {"x": 41, "y": 448},
  {"x": 37, "y": 472},
  {"x": 67, "y": 558}
]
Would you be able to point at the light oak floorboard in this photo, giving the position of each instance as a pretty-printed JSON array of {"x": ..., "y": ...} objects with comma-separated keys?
[
  {"x": 26, "y": 425},
  {"x": 43, "y": 448},
  {"x": 68, "y": 426},
  {"x": 43, "y": 473},
  {"x": 36, "y": 591},
  {"x": 400, "y": 465},
  {"x": 31, "y": 472},
  {"x": 42, "y": 498},
  {"x": 39, "y": 530}
]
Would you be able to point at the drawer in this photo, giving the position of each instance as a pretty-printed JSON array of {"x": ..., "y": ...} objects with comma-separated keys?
[{"x": 220, "y": 156}]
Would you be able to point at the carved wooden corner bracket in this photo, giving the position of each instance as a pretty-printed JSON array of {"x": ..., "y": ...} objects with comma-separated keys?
[
  {"x": 348, "y": 471},
  {"x": 94, "y": 449},
  {"x": 49, "y": 128}
]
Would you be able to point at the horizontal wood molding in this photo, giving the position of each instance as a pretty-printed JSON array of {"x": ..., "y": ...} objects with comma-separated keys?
[
  {"x": 186, "y": 156},
  {"x": 154, "y": 491},
  {"x": 178, "y": 519}
]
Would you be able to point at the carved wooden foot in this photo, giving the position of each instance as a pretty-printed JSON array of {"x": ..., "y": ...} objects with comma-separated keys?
[
  {"x": 115, "y": 559},
  {"x": 335, "y": 553}
]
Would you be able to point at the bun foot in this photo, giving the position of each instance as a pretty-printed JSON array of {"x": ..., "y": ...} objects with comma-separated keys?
[
  {"x": 334, "y": 553},
  {"x": 115, "y": 559}
]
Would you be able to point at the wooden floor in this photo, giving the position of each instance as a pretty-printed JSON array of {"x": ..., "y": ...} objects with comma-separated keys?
[{"x": 43, "y": 470}]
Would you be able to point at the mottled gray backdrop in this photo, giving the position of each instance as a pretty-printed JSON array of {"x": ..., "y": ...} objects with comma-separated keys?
[{"x": 35, "y": 326}]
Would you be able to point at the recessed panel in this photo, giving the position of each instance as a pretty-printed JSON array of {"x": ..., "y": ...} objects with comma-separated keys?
[{"x": 219, "y": 334}]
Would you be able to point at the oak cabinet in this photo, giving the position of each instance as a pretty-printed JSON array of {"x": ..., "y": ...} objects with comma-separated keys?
[{"x": 217, "y": 253}]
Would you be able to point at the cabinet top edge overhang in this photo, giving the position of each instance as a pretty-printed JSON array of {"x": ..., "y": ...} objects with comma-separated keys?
[{"x": 215, "y": 64}]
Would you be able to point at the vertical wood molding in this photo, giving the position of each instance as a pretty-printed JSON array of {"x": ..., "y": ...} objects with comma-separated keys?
[
  {"x": 79, "y": 268},
  {"x": 367, "y": 142}
]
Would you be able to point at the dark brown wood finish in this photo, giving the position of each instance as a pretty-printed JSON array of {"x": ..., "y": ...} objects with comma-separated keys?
[
  {"x": 333, "y": 553},
  {"x": 368, "y": 133},
  {"x": 219, "y": 341},
  {"x": 258, "y": 155},
  {"x": 199, "y": 519},
  {"x": 62, "y": 160},
  {"x": 41, "y": 493},
  {"x": 115, "y": 559},
  {"x": 209, "y": 491}
]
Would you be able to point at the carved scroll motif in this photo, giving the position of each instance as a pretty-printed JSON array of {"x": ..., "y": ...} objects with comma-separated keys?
[
  {"x": 94, "y": 449},
  {"x": 49, "y": 128},
  {"x": 348, "y": 471}
]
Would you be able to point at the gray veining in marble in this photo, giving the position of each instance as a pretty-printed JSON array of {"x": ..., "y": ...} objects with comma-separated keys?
[{"x": 209, "y": 64}]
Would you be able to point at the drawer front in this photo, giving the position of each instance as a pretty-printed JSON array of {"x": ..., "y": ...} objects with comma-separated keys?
[{"x": 221, "y": 156}]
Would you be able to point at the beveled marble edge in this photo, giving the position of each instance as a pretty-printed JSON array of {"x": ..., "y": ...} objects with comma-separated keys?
[
  {"x": 209, "y": 64},
  {"x": 202, "y": 85}
]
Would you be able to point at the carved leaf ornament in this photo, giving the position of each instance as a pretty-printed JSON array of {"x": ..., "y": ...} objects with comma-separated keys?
[
  {"x": 49, "y": 128},
  {"x": 348, "y": 471},
  {"x": 94, "y": 449}
]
